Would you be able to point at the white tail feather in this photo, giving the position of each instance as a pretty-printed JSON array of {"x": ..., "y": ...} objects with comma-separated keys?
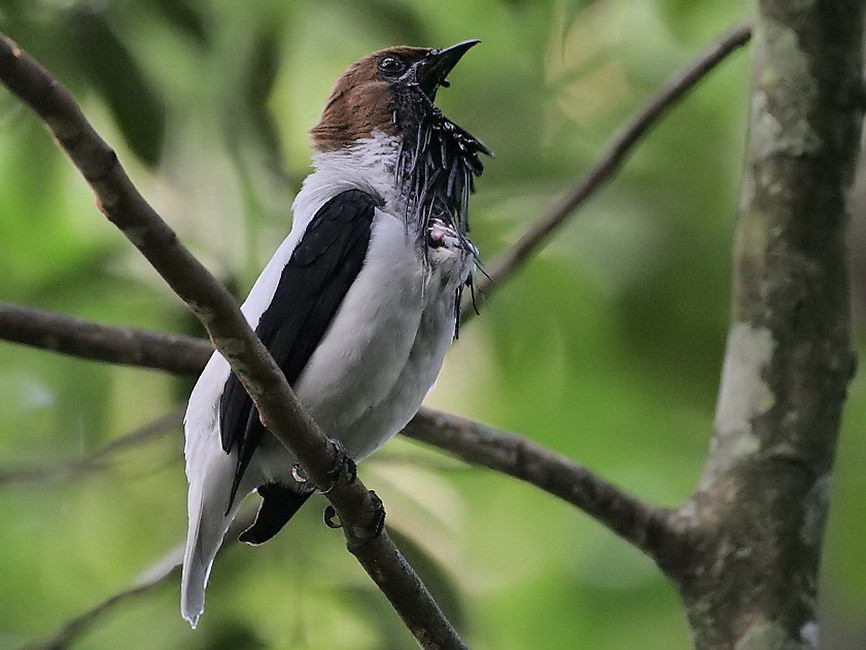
[
  {"x": 208, "y": 523},
  {"x": 210, "y": 471}
]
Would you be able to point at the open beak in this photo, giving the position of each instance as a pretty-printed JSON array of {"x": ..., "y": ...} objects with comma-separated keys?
[{"x": 432, "y": 70}]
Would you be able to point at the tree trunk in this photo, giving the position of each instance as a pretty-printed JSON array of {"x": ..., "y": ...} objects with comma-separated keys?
[{"x": 757, "y": 518}]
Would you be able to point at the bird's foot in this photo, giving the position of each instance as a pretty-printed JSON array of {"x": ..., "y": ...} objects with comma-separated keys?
[
  {"x": 377, "y": 510},
  {"x": 344, "y": 468}
]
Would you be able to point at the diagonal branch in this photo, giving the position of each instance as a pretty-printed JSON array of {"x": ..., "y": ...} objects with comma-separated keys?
[
  {"x": 76, "y": 627},
  {"x": 214, "y": 306},
  {"x": 637, "y": 522},
  {"x": 613, "y": 508},
  {"x": 612, "y": 158}
]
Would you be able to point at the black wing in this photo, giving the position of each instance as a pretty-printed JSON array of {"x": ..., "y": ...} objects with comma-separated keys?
[{"x": 311, "y": 288}]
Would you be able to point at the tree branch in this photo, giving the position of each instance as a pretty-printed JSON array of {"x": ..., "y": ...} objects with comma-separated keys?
[
  {"x": 611, "y": 160},
  {"x": 212, "y": 304},
  {"x": 646, "y": 527},
  {"x": 121, "y": 345},
  {"x": 77, "y": 337},
  {"x": 632, "y": 519},
  {"x": 76, "y": 627}
]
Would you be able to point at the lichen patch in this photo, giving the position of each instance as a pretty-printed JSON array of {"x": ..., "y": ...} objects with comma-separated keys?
[
  {"x": 766, "y": 635},
  {"x": 744, "y": 394}
]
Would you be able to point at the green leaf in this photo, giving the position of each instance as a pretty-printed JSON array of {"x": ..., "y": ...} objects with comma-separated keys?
[{"x": 136, "y": 107}]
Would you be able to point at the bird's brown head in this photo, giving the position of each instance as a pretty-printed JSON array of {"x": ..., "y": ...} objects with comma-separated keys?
[{"x": 385, "y": 91}]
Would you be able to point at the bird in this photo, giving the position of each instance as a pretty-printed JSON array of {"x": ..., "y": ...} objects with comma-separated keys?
[{"x": 357, "y": 305}]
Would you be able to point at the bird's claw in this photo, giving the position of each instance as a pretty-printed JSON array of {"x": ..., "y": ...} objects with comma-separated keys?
[
  {"x": 329, "y": 517},
  {"x": 377, "y": 510},
  {"x": 345, "y": 469},
  {"x": 343, "y": 466}
]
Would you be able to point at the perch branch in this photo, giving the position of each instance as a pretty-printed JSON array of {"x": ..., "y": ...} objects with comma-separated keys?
[
  {"x": 638, "y": 522},
  {"x": 214, "y": 306}
]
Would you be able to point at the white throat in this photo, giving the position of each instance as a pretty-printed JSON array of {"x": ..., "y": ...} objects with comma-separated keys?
[{"x": 368, "y": 165}]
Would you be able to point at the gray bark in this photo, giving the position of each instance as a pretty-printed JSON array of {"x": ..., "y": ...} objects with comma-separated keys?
[{"x": 756, "y": 521}]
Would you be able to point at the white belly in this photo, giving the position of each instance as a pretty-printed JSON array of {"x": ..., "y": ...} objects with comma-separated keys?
[{"x": 382, "y": 352}]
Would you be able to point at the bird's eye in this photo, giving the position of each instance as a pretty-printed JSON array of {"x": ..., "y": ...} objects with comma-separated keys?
[{"x": 391, "y": 65}]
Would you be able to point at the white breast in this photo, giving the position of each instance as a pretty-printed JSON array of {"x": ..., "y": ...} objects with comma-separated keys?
[{"x": 385, "y": 347}]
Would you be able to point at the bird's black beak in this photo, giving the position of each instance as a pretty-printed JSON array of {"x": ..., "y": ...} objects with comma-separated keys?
[{"x": 432, "y": 70}]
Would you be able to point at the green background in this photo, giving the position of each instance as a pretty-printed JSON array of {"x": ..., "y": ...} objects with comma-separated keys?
[{"x": 606, "y": 347}]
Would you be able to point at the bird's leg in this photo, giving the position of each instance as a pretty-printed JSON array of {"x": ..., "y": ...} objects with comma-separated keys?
[{"x": 343, "y": 466}]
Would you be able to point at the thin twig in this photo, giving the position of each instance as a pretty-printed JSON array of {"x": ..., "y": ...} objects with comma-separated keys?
[
  {"x": 166, "y": 569},
  {"x": 74, "y": 628},
  {"x": 100, "y": 460},
  {"x": 67, "y": 470},
  {"x": 214, "y": 306},
  {"x": 608, "y": 164},
  {"x": 641, "y": 524}
]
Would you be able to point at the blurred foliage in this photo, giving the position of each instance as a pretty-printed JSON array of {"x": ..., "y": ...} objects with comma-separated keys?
[{"x": 607, "y": 347}]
